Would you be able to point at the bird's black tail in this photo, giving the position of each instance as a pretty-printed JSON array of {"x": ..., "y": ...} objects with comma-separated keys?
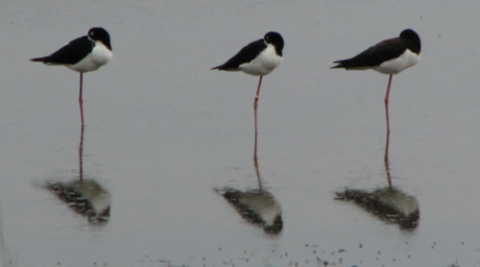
[
  {"x": 340, "y": 64},
  {"x": 39, "y": 59}
]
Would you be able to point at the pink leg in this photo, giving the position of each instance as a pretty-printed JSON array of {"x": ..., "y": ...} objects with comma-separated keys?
[
  {"x": 388, "y": 124},
  {"x": 80, "y": 146},
  {"x": 80, "y": 98},
  {"x": 255, "y": 104},
  {"x": 386, "y": 102}
]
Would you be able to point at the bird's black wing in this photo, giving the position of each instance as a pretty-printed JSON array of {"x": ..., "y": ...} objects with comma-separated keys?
[
  {"x": 70, "y": 53},
  {"x": 246, "y": 54},
  {"x": 374, "y": 55}
]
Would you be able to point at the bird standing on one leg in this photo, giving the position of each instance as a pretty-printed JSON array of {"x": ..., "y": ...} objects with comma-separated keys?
[
  {"x": 388, "y": 57},
  {"x": 83, "y": 54},
  {"x": 258, "y": 58}
]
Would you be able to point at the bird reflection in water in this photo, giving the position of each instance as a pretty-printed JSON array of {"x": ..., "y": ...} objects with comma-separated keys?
[
  {"x": 85, "y": 196},
  {"x": 256, "y": 206},
  {"x": 388, "y": 203}
]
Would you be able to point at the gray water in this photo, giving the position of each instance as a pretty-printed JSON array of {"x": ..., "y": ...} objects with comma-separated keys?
[{"x": 163, "y": 132}]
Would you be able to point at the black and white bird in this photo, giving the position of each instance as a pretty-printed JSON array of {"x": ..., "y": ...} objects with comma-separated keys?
[
  {"x": 258, "y": 58},
  {"x": 84, "y": 54},
  {"x": 388, "y": 57}
]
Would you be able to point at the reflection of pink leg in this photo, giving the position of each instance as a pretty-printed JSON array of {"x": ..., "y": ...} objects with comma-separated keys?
[
  {"x": 255, "y": 104},
  {"x": 387, "y": 164},
  {"x": 80, "y": 98},
  {"x": 80, "y": 155},
  {"x": 257, "y": 171}
]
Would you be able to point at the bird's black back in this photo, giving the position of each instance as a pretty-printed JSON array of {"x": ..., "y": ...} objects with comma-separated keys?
[
  {"x": 70, "y": 53},
  {"x": 246, "y": 54},
  {"x": 383, "y": 51},
  {"x": 374, "y": 55}
]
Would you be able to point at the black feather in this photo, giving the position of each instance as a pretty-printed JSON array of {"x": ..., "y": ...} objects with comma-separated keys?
[
  {"x": 383, "y": 51},
  {"x": 70, "y": 53},
  {"x": 246, "y": 54}
]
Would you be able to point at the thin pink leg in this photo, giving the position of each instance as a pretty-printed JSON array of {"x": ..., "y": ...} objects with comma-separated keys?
[
  {"x": 388, "y": 123},
  {"x": 80, "y": 98},
  {"x": 80, "y": 146},
  {"x": 255, "y": 104},
  {"x": 386, "y": 102}
]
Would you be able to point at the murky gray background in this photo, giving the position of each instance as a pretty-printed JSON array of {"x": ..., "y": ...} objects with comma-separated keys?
[{"x": 163, "y": 131}]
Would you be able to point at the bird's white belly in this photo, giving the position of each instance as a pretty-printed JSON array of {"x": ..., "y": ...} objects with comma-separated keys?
[
  {"x": 99, "y": 56},
  {"x": 396, "y": 65},
  {"x": 262, "y": 65}
]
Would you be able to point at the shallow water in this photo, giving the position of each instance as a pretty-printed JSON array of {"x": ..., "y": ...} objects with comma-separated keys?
[{"x": 163, "y": 132}]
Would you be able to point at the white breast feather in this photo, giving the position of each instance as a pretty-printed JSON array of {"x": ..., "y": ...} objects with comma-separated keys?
[
  {"x": 396, "y": 65},
  {"x": 262, "y": 65},
  {"x": 99, "y": 56}
]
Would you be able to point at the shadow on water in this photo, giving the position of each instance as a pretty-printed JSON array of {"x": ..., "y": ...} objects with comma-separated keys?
[
  {"x": 256, "y": 206},
  {"x": 84, "y": 196},
  {"x": 388, "y": 203}
]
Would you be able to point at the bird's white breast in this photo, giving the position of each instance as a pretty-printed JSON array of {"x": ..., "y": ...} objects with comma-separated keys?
[
  {"x": 99, "y": 56},
  {"x": 396, "y": 65},
  {"x": 264, "y": 63}
]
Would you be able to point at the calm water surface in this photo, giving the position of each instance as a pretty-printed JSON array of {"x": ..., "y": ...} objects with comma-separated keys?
[{"x": 164, "y": 133}]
